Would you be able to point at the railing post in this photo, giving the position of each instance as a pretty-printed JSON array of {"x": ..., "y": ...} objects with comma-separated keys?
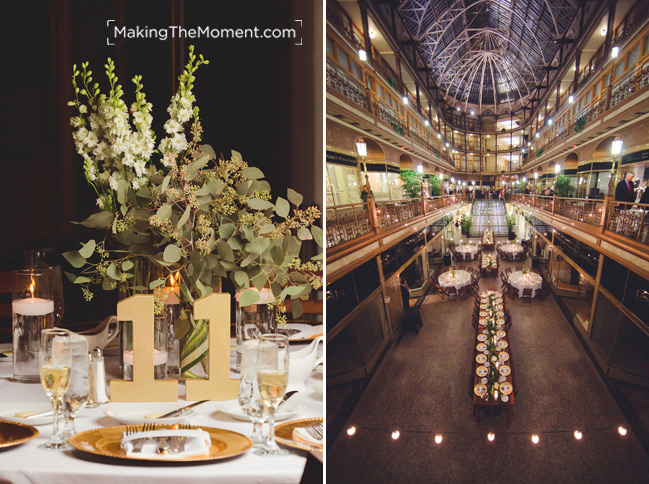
[
  {"x": 374, "y": 219},
  {"x": 554, "y": 198},
  {"x": 607, "y": 204}
]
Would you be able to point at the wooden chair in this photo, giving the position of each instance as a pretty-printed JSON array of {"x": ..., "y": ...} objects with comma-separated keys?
[
  {"x": 508, "y": 271},
  {"x": 519, "y": 268},
  {"x": 464, "y": 292},
  {"x": 512, "y": 292},
  {"x": 527, "y": 295},
  {"x": 451, "y": 292}
]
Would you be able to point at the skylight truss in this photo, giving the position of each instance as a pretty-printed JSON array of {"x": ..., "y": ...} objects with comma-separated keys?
[{"x": 489, "y": 53}]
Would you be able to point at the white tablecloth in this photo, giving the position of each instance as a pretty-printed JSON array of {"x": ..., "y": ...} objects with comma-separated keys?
[
  {"x": 468, "y": 251},
  {"x": 26, "y": 464},
  {"x": 525, "y": 281},
  {"x": 461, "y": 279},
  {"x": 511, "y": 248}
]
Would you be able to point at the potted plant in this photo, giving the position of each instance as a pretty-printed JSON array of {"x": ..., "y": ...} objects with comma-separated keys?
[
  {"x": 411, "y": 183},
  {"x": 467, "y": 221},
  {"x": 562, "y": 186},
  {"x": 511, "y": 223},
  {"x": 176, "y": 207}
]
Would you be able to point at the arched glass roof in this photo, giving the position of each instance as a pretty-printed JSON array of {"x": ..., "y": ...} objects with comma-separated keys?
[{"x": 488, "y": 53}]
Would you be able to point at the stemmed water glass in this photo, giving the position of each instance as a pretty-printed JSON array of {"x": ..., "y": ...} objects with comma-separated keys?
[
  {"x": 76, "y": 396},
  {"x": 249, "y": 397},
  {"x": 272, "y": 378},
  {"x": 55, "y": 362}
]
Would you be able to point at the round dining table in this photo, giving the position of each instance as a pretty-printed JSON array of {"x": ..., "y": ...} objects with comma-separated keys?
[
  {"x": 521, "y": 281},
  {"x": 512, "y": 248},
  {"x": 461, "y": 279},
  {"x": 469, "y": 251}
]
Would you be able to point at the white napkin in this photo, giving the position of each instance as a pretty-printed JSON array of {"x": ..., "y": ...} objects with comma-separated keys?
[
  {"x": 301, "y": 436},
  {"x": 197, "y": 442}
]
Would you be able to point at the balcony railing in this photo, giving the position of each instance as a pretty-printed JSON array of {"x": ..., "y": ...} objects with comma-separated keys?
[
  {"x": 348, "y": 222},
  {"x": 630, "y": 220}
]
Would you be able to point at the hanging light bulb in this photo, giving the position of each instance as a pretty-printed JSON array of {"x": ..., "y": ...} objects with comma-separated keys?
[
  {"x": 578, "y": 435},
  {"x": 491, "y": 436},
  {"x": 405, "y": 100},
  {"x": 361, "y": 147},
  {"x": 615, "y": 52},
  {"x": 395, "y": 435},
  {"x": 425, "y": 122},
  {"x": 571, "y": 99},
  {"x": 535, "y": 439},
  {"x": 362, "y": 55},
  {"x": 438, "y": 439},
  {"x": 351, "y": 431},
  {"x": 621, "y": 430}
]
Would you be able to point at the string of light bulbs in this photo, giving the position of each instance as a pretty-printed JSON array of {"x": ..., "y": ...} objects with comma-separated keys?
[{"x": 535, "y": 437}]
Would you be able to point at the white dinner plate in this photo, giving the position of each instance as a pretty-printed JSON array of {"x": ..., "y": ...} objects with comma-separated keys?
[
  {"x": 318, "y": 387},
  {"x": 8, "y": 412},
  {"x": 306, "y": 331},
  {"x": 134, "y": 412},
  {"x": 233, "y": 409}
]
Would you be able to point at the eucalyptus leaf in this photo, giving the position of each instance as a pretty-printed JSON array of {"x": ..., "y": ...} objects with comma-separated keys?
[
  {"x": 99, "y": 220},
  {"x": 241, "y": 278},
  {"x": 235, "y": 243},
  {"x": 127, "y": 265},
  {"x": 207, "y": 149},
  {"x": 253, "y": 173},
  {"x": 106, "y": 285},
  {"x": 317, "y": 234},
  {"x": 156, "y": 283},
  {"x": 297, "y": 309},
  {"x": 225, "y": 251},
  {"x": 88, "y": 249},
  {"x": 260, "y": 280},
  {"x": 248, "y": 260},
  {"x": 282, "y": 207},
  {"x": 202, "y": 191},
  {"x": 165, "y": 184},
  {"x": 75, "y": 259},
  {"x": 171, "y": 253},
  {"x": 293, "y": 290},
  {"x": 164, "y": 212},
  {"x": 259, "y": 204},
  {"x": 267, "y": 229},
  {"x": 236, "y": 156},
  {"x": 277, "y": 254},
  {"x": 122, "y": 188},
  {"x": 294, "y": 197},
  {"x": 82, "y": 280},
  {"x": 226, "y": 230},
  {"x": 303, "y": 233},
  {"x": 248, "y": 297},
  {"x": 186, "y": 293},
  {"x": 242, "y": 188},
  {"x": 215, "y": 187},
  {"x": 113, "y": 273},
  {"x": 185, "y": 217},
  {"x": 258, "y": 245}
]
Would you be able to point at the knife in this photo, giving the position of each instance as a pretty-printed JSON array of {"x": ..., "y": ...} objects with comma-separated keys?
[{"x": 179, "y": 411}]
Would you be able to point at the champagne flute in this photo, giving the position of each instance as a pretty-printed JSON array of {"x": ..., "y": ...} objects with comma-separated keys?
[
  {"x": 249, "y": 397},
  {"x": 55, "y": 361},
  {"x": 76, "y": 396},
  {"x": 272, "y": 378}
]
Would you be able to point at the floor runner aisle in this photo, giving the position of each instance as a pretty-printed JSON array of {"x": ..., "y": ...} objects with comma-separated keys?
[{"x": 488, "y": 214}]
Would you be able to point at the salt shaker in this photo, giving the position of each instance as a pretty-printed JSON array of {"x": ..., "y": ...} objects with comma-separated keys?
[{"x": 97, "y": 394}]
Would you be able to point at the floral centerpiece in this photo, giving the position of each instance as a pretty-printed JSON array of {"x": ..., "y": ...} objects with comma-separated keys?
[
  {"x": 526, "y": 270},
  {"x": 179, "y": 208}
]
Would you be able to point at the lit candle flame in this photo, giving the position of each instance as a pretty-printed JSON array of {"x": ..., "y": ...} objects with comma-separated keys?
[{"x": 32, "y": 286}]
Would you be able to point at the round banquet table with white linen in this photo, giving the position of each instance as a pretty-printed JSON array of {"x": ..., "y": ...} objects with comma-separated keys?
[
  {"x": 521, "y": 281},
  {"x": 27, "y": 464},
  {"x": 461, "y": 279},
  {"x": 513, "y": 249},
  {"x": 468, "y": 251}
]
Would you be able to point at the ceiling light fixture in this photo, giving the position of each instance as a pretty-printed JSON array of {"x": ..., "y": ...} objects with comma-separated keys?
[
  {"x": 405, "y": 99},
  {"x": 615, "y": 52},
  {"x": 362, "y": 55},
  {"x": 571, "y": 99}
]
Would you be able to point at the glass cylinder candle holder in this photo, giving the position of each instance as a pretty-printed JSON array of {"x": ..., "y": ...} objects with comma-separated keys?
[
  {"x": 32, "y": 311},
  {"x": 254, "y": 320},
  {"x": 173, "y": 343},
  {"x": 160, "y": 351}
]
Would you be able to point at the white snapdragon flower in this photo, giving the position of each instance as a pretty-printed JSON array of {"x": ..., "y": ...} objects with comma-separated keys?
[
  {"x": 138, "y": 183},
  {"x": 138, "y": 117},
  {"x": 127, "y": 159},
  {"x": 172, "y": 126},
  {"x": 100, "y": 203},
  {"x": 91, "y": 169},
  {"x": 179, "y": 142},
  {"x": 101, "y": 151},
  {"x": 104, "y": 177},
  {"x": 91, "y": 140},
  {"x": 140, "y": 167},
  {"x": 165, "y": 147},
  {"x": 115, "y": 178},
  {"x": 184, "y": 115},
  {"x": 83, "y": 109},
  {"x": 81, "y": 134}
]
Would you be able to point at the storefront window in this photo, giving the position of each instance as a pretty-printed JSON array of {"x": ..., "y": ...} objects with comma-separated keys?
[{"x": 342, "y": 184}]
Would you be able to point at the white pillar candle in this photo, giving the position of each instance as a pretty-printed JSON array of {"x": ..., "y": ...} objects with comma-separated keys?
[
  {"x": 33, "y": 306},
  {"x": 159, "y": 357},
  {"x": 172, "y": 295}
]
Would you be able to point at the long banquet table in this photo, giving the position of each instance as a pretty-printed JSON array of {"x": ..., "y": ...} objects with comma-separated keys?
[{"x": 26, "y": 464}]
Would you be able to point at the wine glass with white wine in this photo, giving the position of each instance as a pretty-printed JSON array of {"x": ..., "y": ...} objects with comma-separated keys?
[
  {"x": 55, "y": 361},
  {"x": 272, "y": 378}
]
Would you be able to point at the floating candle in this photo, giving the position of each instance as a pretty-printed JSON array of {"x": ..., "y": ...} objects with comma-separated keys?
[{"x": 33, "y": 306}]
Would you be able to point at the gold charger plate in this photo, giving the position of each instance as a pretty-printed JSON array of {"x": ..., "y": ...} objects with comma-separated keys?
[
  {"x": 506, "y": 388},
  {"x": 284, "y": 433},
  {"x": 505, "y": 370},
  {"x": 481, "y": 371},
  {"x": 106, "y": 441},
  {"x": 480, "y": 389},
  {"x": 14, "y": 433}
]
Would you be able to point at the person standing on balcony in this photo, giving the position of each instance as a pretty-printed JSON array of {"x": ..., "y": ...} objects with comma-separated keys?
[
  {"x": 625, "y": 191},
  {"x": 366, "y": 192},
  {"x": 644, "y": 198}
]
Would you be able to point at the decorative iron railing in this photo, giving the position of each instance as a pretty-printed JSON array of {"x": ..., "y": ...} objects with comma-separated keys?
[
  {"x": 347, "y": 222},
  {"x": 629, "y": 220}
]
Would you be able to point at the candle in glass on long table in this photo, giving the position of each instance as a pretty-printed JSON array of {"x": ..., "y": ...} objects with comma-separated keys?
[
  {"x": 30, "y": 316},
  {"x": 501, "y": 340}
]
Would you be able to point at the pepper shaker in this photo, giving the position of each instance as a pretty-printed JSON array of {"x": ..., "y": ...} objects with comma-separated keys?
[{"x": 97, "y": 394}]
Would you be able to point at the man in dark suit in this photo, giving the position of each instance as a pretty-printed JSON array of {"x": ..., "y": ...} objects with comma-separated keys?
[{"x": 625, "y": 191}]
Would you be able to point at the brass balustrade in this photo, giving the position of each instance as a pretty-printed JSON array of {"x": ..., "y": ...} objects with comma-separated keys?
[
  {"x": 630, "y": 220},
  {"x": 351, "y": 221},
  {"x": 580, "y": 209}
]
